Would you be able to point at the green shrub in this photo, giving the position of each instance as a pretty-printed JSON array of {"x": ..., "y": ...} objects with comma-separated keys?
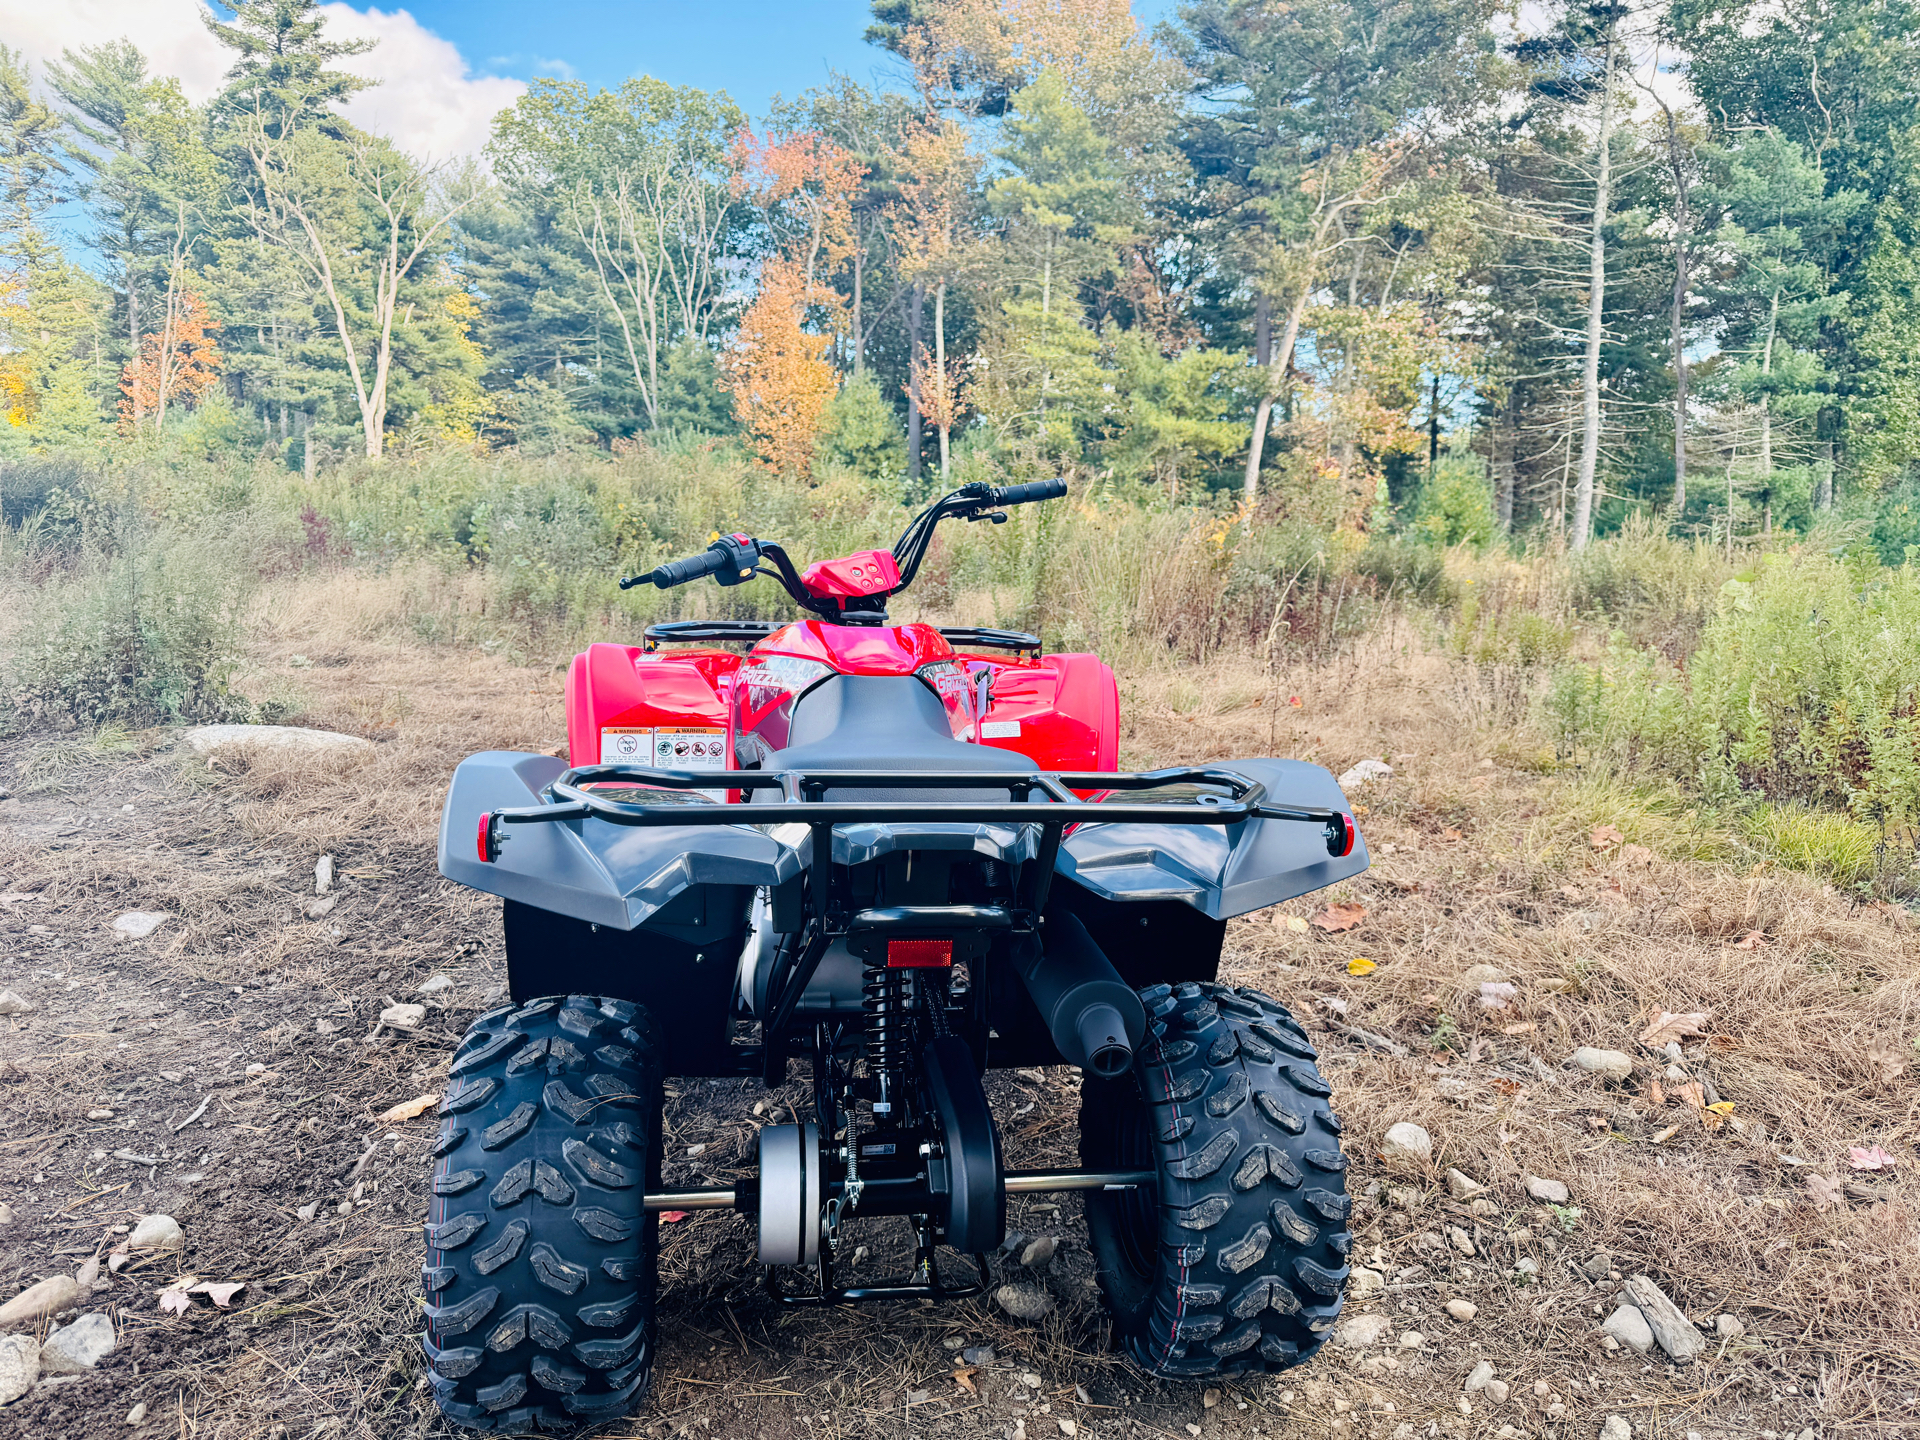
[
  {"x": 1802, "y": 689},
  {"x": 859, "y": 431},
  {"x": 1821, "y": 843},
  {"x": 138, "y": 626},
  {"x": 1456, "y": 503}
]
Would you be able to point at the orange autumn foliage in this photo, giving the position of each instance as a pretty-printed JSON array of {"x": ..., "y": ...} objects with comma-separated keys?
[
  {"x": 778, "y": 373},
  {"x": 177, "y": 363},
  {"x": 804, "y": 184}
]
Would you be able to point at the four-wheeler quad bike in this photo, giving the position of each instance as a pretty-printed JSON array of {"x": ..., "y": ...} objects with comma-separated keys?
[{"x": 904, "y": 854}]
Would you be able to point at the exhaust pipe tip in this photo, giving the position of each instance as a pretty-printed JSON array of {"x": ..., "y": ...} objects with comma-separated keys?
[{"x": 1103, "y": 1037}]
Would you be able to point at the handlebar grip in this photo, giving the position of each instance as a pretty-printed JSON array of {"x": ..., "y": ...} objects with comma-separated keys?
[
  {"x": 1033, "y": 490},
  {"x": 679, "y": 572}
]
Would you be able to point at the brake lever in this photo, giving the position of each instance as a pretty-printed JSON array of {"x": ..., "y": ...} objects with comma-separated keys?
[{"x": 999, "y": 517}]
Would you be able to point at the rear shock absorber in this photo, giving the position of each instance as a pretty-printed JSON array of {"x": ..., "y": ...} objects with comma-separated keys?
[{"x": 887, "y": 1034}]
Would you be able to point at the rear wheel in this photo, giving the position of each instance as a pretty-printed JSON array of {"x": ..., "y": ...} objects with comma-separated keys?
[
  {"x": 1235, "y": 1259},
  {"x": 541, "y": 1256}
]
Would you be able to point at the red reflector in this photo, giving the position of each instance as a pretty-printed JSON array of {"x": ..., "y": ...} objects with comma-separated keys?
[
  {"x": 1341, "y": 834},
  {"x": 920, "y": 953},
  {"x": 484, "y": 840}
]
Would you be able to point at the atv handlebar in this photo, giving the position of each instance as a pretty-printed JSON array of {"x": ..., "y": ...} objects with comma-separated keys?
[
  {"x": 731, "y": 557},
  {"x": 1032, "y": 491}
]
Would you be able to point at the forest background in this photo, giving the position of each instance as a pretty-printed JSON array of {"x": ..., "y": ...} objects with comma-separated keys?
[{"x": 1590, "y": 342}]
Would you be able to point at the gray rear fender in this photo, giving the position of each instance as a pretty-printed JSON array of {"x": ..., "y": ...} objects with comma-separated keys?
[
  {"x": 594, "y": 870},
  {"x": 1221, "y": 871}
]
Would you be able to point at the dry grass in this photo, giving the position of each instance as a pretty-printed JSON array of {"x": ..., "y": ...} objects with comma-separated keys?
[{"x": 1807, "y": 1027}]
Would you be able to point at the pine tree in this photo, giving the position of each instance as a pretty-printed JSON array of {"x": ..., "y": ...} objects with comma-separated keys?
[{"x": 279, "y": 74}]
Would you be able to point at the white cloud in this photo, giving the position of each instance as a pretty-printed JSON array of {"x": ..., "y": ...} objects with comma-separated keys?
[{"x": 428, "y": 99}]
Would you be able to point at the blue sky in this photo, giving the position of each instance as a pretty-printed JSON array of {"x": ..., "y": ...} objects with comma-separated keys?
[{"x": 752, "y": 49}]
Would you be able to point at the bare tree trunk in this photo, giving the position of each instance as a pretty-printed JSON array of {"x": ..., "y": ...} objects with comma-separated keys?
[
  {"x": 916, "y": 302},
  {"x": 1503, "y": 460},
  {"x": 1824, "y": 483},
  {"x": 1597, "y": 300},
  {"x": 1767, "y": 414},
  {"x": 1276, "y": 373},
  {"x": 1683, "y": 263},
  {"x": 940, "y": 369},
  {"x": 860, "y": 265}
]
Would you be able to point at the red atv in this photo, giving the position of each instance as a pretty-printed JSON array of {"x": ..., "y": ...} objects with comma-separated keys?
[{"x": 902, "y": 853}]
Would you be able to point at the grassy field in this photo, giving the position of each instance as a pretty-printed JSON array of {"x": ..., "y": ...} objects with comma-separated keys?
[{"x": 1486, "y": 856}]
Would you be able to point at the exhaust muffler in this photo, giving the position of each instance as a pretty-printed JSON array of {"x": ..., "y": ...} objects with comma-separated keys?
[{"x": 1094, "y": 1017}]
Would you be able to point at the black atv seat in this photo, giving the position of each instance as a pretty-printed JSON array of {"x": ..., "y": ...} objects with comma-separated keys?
[{"x": 885, "y": 723}]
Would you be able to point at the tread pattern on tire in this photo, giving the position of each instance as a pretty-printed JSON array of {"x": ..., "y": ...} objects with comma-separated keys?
[
  {"x": 540, "y": 1267},
  {"x": 1250, "y": 1250}
]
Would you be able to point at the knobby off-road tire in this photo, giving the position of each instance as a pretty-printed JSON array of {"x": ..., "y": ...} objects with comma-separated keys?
[
  {"x": 1235, "y": 1262},
  {"x": 541, "y": 1256}
]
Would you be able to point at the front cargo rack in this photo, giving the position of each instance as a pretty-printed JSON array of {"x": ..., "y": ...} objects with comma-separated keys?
[{"x": 713, "y": 632}]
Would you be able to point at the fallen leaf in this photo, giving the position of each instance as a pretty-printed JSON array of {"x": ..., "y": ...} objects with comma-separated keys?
[
  {"x": 1450, "y": 834},
  {"x": 1666, "y": 1133},
  {"x": 1715, "y": 1116},
  {"x": 964, "y": 1378},
  {"x": 1887, "y": 1056},
  {"x": 1341, "y": 916},
  {"x": 1665, "y": 1026},
  {"x": 1824, "y": 1191},
  {"x": 1474, "y": 1049},
  {"x": 1632, "y": 855},
  {"x": 1656, "y": 1094},
  {"x": 1752, "y": 941},
  {"x": 1294, "y": 701},
  {"x": 1605, "y": 838},
  {"x": 1291, "y": 923},
  {"x": 1692, "y": 1093},
  {"x": 174, "y": 1300},
  {"x": 1336, "y": 1004},
  {"x": 1496, "y": 994},
  {"x": 1519, "y": 1028},
  {"x": 1361, "y": 966},
  {"x": 669, "y": 1217},
  {"x": 1505, "y": 1086},
  {"x": 407, "y": 1110},
  {"x": 1360, "y": 811},
  {"x": 1872, "y": 1159},
  {"x": 221, "y": 1293}
]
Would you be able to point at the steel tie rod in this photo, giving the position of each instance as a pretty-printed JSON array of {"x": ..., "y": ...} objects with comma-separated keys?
[{"x": 720, "y": 1198}]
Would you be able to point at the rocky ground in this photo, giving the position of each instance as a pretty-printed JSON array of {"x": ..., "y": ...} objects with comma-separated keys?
[{"x": 1578, "y": 1219}]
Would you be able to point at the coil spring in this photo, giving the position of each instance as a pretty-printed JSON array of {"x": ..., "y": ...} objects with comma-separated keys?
[{"x": 887, "y": 1039}]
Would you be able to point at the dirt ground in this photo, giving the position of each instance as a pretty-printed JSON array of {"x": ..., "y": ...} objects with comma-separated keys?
[{"x": 227, "y": 1070}]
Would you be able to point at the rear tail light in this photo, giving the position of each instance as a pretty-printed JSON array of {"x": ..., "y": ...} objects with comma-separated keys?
[
  {"x": 1341, "y": 834},
  {"x": 919, "y": 955}
]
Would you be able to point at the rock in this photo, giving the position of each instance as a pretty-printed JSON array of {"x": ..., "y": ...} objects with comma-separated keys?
[
  {"x": 434, "y": 984},
  {"x": 1728, "y": 1327},
  {"x": 1364, "y": 1281},
  {"x": 1613, "y": 1064},
  {"x": 19, "y": 1367},
  {"x": 41, "y": 1299},
  {"x": 1359, "y": 1332},
  {"x": 1597, "y": 1266},
  {"x": 1628, "y": 1326},
  {"x": 314, "y": 910},
  {"x": 1462, "y": 1186},
  {"x": 1496, "y": 1391},
  {"x": 1210, "y": 1398},
  {"x": 12, "y": 1005},
  {"x": 405, "y": 1016},
  {"x": 78, "y": 1348},
  {"x": 1474, "y": 977},
  {"x": 1407, "y": 1143},
  {"x": 89, "y": 1271},
  {"x": 1463, "y": 1242},
  {"x": 308, "y": 1211},
  {"x": 1030, "y": 1380},
  {"x": 1676, "y": 1076},
  {"x": 6, "y": 1216},
  {"x": 1040, "y": 1251},
  {"x": 1527, "y": 1266},
  {"x": 138, "y": 925},
  {"x": 1068, "y": 1428},
  {"x": 138, "y": 1414},
  {"x": 345, "y": 1208},
  {"x": 1478, "y": 1378},
  {"x": 1412, "y": 1340},
  {"x": 323, "y": 875},
  {"x": 1547, "y": 1191},
  {"x": 279, "y": 747},
  {"x": 1543, "y": 1390},
  {"x": 1363, "y": 771},
  {"x": 1483, "y": 1207},
  {"x": 978, "y": 1355},
  {"x": 157, "y": 1233},
  {"x": 1461, "y": 1310},
  {"x": 1671, "y": 1327},
  {"x": 1024, "y": 1301},
  {"x": 1616, "y": 1428}
]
